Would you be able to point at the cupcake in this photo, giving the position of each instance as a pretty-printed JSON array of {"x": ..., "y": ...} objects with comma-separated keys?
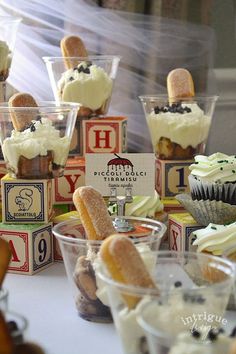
[
  {"x": 213, "y": 178},
  {"x": 212, "y": 184}
]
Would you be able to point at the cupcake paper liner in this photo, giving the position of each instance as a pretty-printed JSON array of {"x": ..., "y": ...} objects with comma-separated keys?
[
  {"x": 225, "y": 192},
  {"x": 208, "y": 211}
]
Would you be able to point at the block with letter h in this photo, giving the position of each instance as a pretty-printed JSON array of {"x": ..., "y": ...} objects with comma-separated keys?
[
  {"x": 181, "y": 232},
  {"x": 172, "y": 177},
  {"x": 31, "y": 246},
  {"x": 26, "y": 201},
  {"x": 105, "y": 135},
  {"x": 74, "y": 177}
]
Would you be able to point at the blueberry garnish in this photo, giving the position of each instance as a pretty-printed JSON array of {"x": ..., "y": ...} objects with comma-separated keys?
[
  {"x": 173, "y": 108},
  {"x": 178, "y": 284},
  {"x": 196, "y": 333},
  {"x": 212, "y": 335},
  {"x": 233, "y": 333}
]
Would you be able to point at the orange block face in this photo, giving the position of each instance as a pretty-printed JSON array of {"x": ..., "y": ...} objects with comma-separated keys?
[
  {"x": 105, "y": 135},
  {"x": 74, "y": 177}
]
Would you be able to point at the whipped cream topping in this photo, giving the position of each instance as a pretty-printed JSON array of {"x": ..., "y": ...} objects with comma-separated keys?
[
  {"x": 30, "y": 143},
  {"x": 218, "y": 168},
  {"x": 186, "y": 343},
  {"x": 186, "y": 129},
  {"x": 141, "y": 206},
  {"x": 216, "y": 239},
  {"x": 87, "y": 84},
  {"x": 5, "y": 58}
]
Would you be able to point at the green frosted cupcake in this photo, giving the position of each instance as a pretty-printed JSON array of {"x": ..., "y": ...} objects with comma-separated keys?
[{"x": 213, "y": 178}]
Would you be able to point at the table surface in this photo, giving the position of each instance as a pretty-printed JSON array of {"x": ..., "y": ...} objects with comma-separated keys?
[{"x": 45, "y": 299}]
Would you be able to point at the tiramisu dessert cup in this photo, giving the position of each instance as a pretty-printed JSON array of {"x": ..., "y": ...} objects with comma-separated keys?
[
  {"x": 80, "y": 241},
  {"x": 178, "y": 130},
  {"x": 179, "y": 122},
  {"x": 181, "y": 295},
  {"x": 195, "y": 340},
  {"x": 89, "y": 81},
  {"x": 35, "y": 137},
  {"x": 8, "y": 29}
]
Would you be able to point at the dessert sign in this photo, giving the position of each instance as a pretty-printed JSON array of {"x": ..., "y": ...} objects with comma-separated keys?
[{"x": 121, "y": 174}]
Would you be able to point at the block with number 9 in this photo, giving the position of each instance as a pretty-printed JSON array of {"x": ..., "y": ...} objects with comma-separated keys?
[{"x": 31, "y": 246}]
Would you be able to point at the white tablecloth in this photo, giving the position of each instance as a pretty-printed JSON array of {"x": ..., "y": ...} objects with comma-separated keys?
[{"x": 46, "y": 301}]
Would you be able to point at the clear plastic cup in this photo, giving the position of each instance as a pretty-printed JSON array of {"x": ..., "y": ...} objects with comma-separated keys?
[
  {"x": 178, "y": 130},
  {"x": 17, "y": 325},
  {"x": 81, "y": 263},
  {"x": 188, "y": 284},
  {"x": 4, "y": 294},
  {"x": 8, "y": 30},
  {"x": 89, "y": 81},
  {"x": 230, "y": 254},
  {"x": 39, "y": 148}
]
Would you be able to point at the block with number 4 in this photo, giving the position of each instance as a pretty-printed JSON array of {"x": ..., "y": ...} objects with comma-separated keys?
[
  {"x": 31, "y": 246},
  {"x": 172, "y": 177},
  {"x": 181, "y": 232}
]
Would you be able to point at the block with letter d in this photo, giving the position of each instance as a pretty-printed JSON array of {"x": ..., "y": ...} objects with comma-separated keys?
[
  {"x": 106, "y": 135},
  {"x": 74, "y": 177},
  {"x": 31, "y": 246},
  {"x": 172, "y": 177},
  {"x": 181, "y": 232},
  {"x": 26, "y": 201}
]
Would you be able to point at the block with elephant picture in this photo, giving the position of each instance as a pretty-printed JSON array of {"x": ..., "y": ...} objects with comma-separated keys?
[{"x": 26, "y": 201}]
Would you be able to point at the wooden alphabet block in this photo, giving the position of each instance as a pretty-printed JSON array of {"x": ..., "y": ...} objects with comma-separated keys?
[
  {"x": 31, "y": 246},
  {"x": 106, "y": 135},
  {"x": 181, "y": 228},
  {"x": 26, "y": 201},
  {"x": 74, "y": 177},
  {"x": 3, "y": 171},
  {"x": 172, "y": 177}
]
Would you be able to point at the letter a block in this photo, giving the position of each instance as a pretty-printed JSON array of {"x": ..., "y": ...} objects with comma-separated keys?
[
  {"x": 26, "y": 201},
  {"x": 106, "y": 135},
  {"x": 181, "y": 232},
  {"x": 74, "y": 177},
  {"x": 172, "y": 177},
  {"x": 31, "y": 246}
]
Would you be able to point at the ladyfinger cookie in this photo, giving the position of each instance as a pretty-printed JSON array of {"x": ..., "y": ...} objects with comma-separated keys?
[
  {"x": 5, "y": 257},
  {"x": 21, "y": 120},
  {"x": 125, "y": 265},
  {"x": 6, "y": 343},
  {"x": 72, "y": 46},
  {"x": 179, "y": 85},
  {"x": 93, "y": 213},
  {"x": 232, "y": 349}
]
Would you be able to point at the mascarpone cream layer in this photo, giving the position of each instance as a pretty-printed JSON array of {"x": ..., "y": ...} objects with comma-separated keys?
[
  {"x": 217, "y": 167},
  {"x": 90, "y": 89},
  {"x": 187, "y": 129},
  {"x": 186, "y": 344},
  {"x": 216, "y": 239},
  {"x": 33, "y": 143}
]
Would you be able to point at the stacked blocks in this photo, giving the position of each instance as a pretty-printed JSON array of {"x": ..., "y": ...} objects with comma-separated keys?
[{"x": 26, "y": 213}]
